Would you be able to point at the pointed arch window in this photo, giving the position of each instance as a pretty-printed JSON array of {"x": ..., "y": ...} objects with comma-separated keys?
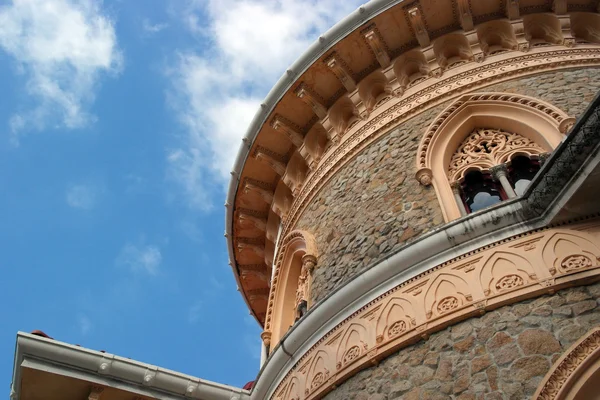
[{"x": 492, "y": 165}]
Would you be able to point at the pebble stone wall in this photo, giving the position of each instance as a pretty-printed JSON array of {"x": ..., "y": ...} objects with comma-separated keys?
[
  {"x": 502, "y": 355},
  {"x": 373, "y": 206}
]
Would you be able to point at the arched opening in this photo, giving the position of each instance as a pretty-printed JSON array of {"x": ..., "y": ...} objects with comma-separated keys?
[
  {"x": 290, "y": 287},
  {"x": 485, "y": 132},
  {"x": 576, "y": 374},
  {"x": 480, "y": 190},
  {"x": 521, "y": 170}
]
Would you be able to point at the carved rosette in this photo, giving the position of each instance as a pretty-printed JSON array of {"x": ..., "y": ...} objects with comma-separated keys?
[
  {"x": 574, "y": 262},
  {"x": 397, "y": 328},
  {"x": 509, "y": 282},
  {"x": 351, "y": 354},
  {"x": 447, "y": 304}
]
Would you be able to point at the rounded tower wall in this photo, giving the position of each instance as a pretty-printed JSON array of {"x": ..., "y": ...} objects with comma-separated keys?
[{"x": 374, "y": 205}]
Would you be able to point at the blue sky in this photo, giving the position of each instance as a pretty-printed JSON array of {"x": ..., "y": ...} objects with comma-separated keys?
[{"x": 119, "y": 121}]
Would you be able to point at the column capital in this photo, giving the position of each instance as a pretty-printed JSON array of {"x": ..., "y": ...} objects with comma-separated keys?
[
  {"x": 499, "y": 171},
  {"x": 456, "y": 187},
  {"x": 309, "y": 262},
  {"x": 266, "y": 338}
]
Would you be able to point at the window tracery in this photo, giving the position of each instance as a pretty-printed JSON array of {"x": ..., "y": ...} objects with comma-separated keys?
[{"x": 492, "y": 165}]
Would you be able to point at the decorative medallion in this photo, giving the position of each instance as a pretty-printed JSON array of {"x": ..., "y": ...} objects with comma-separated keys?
[
  {"x": 397, "y": 328},
  {"x": 508, "y": 282},
  {"x": 447, "y": 304},
  {"x": 576, "y": 261},
  {"x": 352, "y": 354}
]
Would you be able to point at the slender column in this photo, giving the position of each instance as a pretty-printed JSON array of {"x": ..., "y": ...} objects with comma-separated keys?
[
  {"x": 458, "y": 198},
  {"x": 499, "y": 173},
  {"x": 263, "y": 354}
]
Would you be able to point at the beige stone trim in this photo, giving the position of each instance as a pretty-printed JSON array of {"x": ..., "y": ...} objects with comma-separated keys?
[
  {"x": 568, "y": 377},
  {"x": 295, "y": 263},
  {"x": 506, "y": 272},
  {"x": 427, "y": 94},
  {"x": 536, "y": 121}
]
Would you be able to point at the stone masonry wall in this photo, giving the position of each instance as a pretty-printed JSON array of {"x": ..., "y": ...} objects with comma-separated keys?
[
  {"x": 504, "y": 355},
  {"x": 374, "y": 205}
]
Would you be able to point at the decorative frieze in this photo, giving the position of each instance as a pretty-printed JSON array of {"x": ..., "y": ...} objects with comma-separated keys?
[{"x": 499, "y": 274}]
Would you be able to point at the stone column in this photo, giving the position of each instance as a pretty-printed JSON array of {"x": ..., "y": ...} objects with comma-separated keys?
[
  {"x": 499, "y": 173},
  {"x": 302, "y": 293},
  {"x": 263, "y": 354},
  {"x": 265, "y": 348},
  {"x": 458, "y": 198}
]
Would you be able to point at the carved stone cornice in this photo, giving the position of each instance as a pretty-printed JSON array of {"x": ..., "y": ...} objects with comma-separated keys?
[
  {"x": 95, "y": 393},
  {"x": 418, "y": 24},
  {"x": 339, "y": 67},
  {"x": 254, "y": 245},
  {"x": 251, "y": 218},
  {"x": 292, "y": 131},
  {"x": 258, "y": 294},
  {"x": 559, "y": 7},
  {"x": 258, "y": 271},
  {"x": 264, "y": 189},
  {"x": 464, "y": 14},
  {"x": 512, "y": 9},
  {"x": 421, "y": 98},
  {"x": 377, "y": 44},
  {"x": 277, "y": 162},
  {"x": 312, "y": 99}
]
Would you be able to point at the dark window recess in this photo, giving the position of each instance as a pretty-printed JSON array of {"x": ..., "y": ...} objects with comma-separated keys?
[
  {"x": 480, "y": 191},
  {"x": 521, "y": 171}
]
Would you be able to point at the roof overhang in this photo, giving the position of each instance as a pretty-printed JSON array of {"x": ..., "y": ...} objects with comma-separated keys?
[{"x": 61, "y": 359}]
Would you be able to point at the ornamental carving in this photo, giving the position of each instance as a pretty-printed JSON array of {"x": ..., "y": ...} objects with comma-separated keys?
[
  {"x": 352, "y": 354},
  {"x": 509, "y": 282},
  {"x": 567, "y": 372},
  {"x": 445, "y": 295},
  {"x": 576, "y": 261},
  {"x": 486, "y": 147},
  {"x": 397, "y": 328},
  {"x": 447, "y": 304}
]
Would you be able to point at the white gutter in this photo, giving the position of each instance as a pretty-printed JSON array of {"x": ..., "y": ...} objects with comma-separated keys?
[
  {"x": 452, "y": 240},
  {"x": 33, "y": 351},
  {"x": 285, "y": 83}
]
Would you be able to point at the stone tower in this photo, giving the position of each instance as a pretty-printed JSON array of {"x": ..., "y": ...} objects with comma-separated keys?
[{"x": 414, "y": 209}]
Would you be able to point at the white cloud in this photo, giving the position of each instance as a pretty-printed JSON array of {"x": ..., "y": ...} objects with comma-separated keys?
[
  {"x": 62, "y": 47},
  {"x": 85, "y": 325},
  {"x": 151, "y": 28},
  {"x": 140, "y": 258},
  {"x": 84, "y": 197},
  {"x": 217, "y": 91}
]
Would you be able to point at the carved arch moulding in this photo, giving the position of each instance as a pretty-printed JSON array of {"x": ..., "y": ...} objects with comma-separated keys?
[
  {"x": 503, "y": 273},
  {"x": 533, "y": 125},
  {"x": 290, "y": 284},
  {"x": 575, "y": 375}
]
